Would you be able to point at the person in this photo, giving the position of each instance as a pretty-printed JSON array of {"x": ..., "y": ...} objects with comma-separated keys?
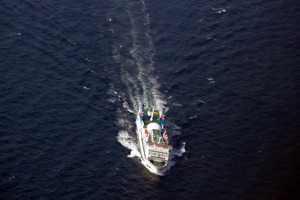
[{"x": 149, "y": 112}]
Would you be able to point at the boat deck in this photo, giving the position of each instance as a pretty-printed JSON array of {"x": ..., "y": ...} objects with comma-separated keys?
[
  {"x": 157, "y": 135},
  {"x": 147, "y": 118}
]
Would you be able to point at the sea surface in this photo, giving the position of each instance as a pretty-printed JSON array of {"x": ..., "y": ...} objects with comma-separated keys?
[{"x": 73, "y": 73}]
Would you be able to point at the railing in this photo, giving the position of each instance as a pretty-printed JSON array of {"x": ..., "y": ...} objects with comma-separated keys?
[{"x": 159, "y": 145}]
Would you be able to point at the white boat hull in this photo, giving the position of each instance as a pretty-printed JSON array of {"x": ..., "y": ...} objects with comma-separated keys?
[{"x": 152, "y": 168}]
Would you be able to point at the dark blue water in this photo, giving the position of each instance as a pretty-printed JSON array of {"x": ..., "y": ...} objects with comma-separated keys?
[{"x": 71, "y": 72}]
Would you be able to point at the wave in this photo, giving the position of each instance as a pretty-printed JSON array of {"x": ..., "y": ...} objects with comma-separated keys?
[{"x": 129, "y": 142}]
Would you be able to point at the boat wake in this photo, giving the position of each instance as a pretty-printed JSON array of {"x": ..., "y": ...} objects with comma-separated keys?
[
  {"x": 129, "y": 142},
  {"x": 133, "y": 52}
]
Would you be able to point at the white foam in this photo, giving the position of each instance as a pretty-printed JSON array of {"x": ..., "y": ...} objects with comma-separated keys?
[
  {"x": 112, "y": 91},
  {"x": 175, "y": 152},
  {"x": 123, "y": 122},
  {"x": 211, "y": 80},
  {"x": 219, "y": 10},
  {"x": 15, "y": 34},
  {"x": 129, "y": 142},
  {"x": 157, "y": 95},
  {"x": 85, "y": 87},
  {"x": 92, "y": 71},
  {"x": 126, "y": 105},
  {"x": 119, "y": 96},
  {"x": 210, "y": 36},
  {"x": 111, "y": 100},
  {"x": 166, "y": 168},
  {"x": 182, "y": 149},
  {"x": 178, "y": 151},
  {"x": 194, "y": 117}
]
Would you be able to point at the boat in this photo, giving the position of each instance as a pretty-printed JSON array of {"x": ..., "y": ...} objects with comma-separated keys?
[{"x": 153, "y": 139}]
